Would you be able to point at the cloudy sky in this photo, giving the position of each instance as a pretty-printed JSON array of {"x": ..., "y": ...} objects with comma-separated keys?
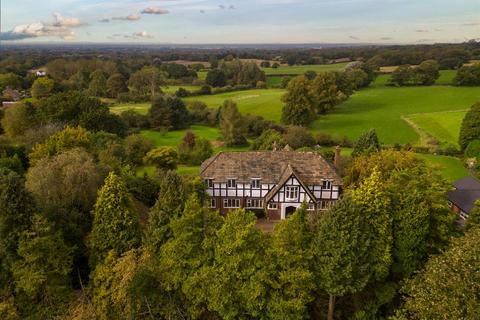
[{"x": 241, "y": 21}]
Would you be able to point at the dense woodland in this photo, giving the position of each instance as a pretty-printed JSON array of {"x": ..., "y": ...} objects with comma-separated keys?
[{"x": 83, "y": 236}]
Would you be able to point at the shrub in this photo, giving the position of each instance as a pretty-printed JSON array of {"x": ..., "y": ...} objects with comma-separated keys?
[
  {"x": 297, "y": 137},
  {"x": 473, "y": 149},
  {"x": 162, "y": 157}
]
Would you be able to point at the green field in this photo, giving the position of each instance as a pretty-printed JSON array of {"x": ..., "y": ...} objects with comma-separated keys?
[
  {"x": 173, "y": 138},
  {"x": 446, "y": 78},
  {"x": 382, "y": 108},
  {"x": 173, "y": 89},
  {"x": 263, "y": 102},
  {"x": 443, "y": 126},
  {"x": 451, "y": 168},
  {"x": 295, "y": 70},
  {"x": 141, "y": 108}
]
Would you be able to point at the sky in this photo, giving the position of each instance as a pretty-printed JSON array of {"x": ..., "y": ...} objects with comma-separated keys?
[{"x": 241, "y": 21}]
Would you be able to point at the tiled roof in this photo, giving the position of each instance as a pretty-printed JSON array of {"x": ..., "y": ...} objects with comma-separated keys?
[
  {"x": 465, "y": 195},
  {"x": 468, "y": 183},
  {"x": 309, "y": 167},
  {"x": 284, "y": 178}
]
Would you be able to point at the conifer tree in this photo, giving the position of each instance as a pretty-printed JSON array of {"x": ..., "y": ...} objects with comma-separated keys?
[
  {"x": 375, "y": 205},
  {"x": 116, "y": 225},
  {"x": 292, "y": 279},
  {"x": 366, "y": 143},
  {"x": 341, "y": 249}
]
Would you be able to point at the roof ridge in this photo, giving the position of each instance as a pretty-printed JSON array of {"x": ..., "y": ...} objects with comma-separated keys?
[{"x": 210, "y": 162}]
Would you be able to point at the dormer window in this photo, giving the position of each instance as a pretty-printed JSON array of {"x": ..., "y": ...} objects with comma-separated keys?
[
  {"x": 231, "y": 183},
  {"x": 209, "y": 183},
  {"x": 326, "y": 184},
  {"x": 255, "y": 183}
]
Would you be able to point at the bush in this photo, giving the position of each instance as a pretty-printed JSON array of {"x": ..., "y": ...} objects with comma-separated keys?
[
  {"x": 325, "y": 140},
  {"x": 261, "y": 85},
  {"x": 200, "y": 113},
  {"x": 297, "y": 137},
  {"x": 162, "y": 157},
  {"x": 182, "y": 93},
  {"x": 473, "y": 149}
]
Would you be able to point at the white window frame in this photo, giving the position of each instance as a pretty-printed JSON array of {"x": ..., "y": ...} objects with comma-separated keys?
[
  {"x": 231, "y": 203},
  {"x": 213, "y": 203},
  {"x": 311, "y": 207},
  {"x": 256, "y": 183},
  {"x": 209, "y": 182},
  {"x": 231, "y": 183},
  {"x": 328, "y": 184},
  {"x": 273, "y": 206},
  {"x": 291, "y": 191},
  {"x": 254, "y": 204},
  {"x": 324, "y": 204}
]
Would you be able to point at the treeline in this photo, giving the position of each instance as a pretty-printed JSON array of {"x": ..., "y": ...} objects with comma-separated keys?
[{"x": 313, "y": 94}]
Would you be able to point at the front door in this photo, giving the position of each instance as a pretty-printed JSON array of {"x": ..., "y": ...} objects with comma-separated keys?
[{"x": 289, "y": 210}]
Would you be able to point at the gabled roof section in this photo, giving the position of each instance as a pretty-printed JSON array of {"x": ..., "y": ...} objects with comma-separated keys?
[
  {"x": 310, "y": 167},
  {"x": 467, "y": 183},
  {"x": 287, "y": 174}
]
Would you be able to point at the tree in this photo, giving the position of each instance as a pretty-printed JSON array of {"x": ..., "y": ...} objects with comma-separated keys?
[
  {"x": 297, "y": 137},
  {"x": 116, "y": 84},
  {"x": 366, "y": 143},
  {"x": 402, "y": 76},
  {"x": 98, "y": 84},
  {"x": 162, "y": 157},
  {"x": 136, "y": 147},
  {"x": 427, "y": 73},
  {"x": 19, "y": 119},
  {"x": 116, "y": 224},
  {"x": 168, "y": 112},
  {"x": 10, "y": 80},
  {"x": 42, "y": 271},
  {"x": 470, "y": 129},
  {"x": 65, "y": 187},
  {"x": 341, "y": 247},
  {"x": 16, "y": 212},
  {"x": 375, "y": 205},
  {"x": 232, "y": 125},
  {"x": 216, "y": 78},
  {"x": 67, "y": 139},
  {"x": 324, "y": 92},
  {"x": 449, "y": 284},
  {"x": 170, "y": 204},
  {"x": 147, "y": 81},
  {"x": 236, "y": 286},
  {"x": 201, "y": 151},
  {"x": 250, "y": 74},
  {"x": 298, "y": 108},
  {"x": 292, "y": 280},
  {"x": 468, "y": 76},
  {"x": 186, "y": 253},
  {"x": 268, "y": 140},
  {"x": 473, "y": 149},
  {"x": 42, "y": 87}
]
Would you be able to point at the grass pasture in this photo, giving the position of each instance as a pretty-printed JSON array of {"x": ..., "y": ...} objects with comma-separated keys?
[
  {"x": 382, "y": 108},
  {"x": 264, "y": 102},
  {"x": 141, "y": 108},
  {"x": 443, "y": 126},
  {"x": 296, "y": 70},
  {"x": 451, "y": 168}
]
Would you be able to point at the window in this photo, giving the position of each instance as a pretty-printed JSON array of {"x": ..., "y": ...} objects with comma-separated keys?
[
  {"x": 324, "y": 205},
  {"x": 231, "y": 203},
  {"x": 326, "y": 184},
  {"x": 255, "y": 183},
  {"x": 209, "y": 183},
  {"x": 272, "y": 206},
  {"x": 231, "y": 183},
  {"x": 254, "y": 203},
  {"x": 213, "y": 203},
  {"x": 311, "y": 207},
  {"x": 291, "y": 193}
]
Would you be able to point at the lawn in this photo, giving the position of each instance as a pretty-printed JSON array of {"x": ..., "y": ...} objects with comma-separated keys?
[
  {"x": 382, "y": 108},
  {"x": 443, "y": 126},
  {"x": 296, "y": 70},
  {"x": 141, "y": 108},
  {"x": 173, "y": 138},
  {"x": 263, "y": 102},
  {"x": 451, "y": 168}
]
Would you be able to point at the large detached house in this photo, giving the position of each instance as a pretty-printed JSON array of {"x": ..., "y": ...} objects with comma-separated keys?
[{"x": 275, "y": 181}]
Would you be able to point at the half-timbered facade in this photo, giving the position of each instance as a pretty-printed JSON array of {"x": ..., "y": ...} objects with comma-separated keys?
[{"x": 275, "y": 181}]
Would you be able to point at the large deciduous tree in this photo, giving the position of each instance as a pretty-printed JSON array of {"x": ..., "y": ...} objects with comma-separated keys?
[
  {"x": 298, "y": 108},
  {"x": 470, "y": 129},
  {"x": 168, "y": 112}
]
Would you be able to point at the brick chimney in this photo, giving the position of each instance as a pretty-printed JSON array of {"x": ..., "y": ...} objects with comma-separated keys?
[{"x": 337, "y": 162}]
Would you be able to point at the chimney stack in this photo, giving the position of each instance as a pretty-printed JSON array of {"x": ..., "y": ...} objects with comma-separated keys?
[{"x": 337, "y": 162}]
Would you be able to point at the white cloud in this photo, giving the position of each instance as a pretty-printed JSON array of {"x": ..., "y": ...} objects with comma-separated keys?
[
  {"x": 130, "y": 17},
  {"x": 154, "y": 10},
  {"x": 60, "y": 27}
]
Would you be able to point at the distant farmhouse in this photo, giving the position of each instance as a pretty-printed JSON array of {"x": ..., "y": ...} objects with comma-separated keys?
[
  {"x": 462, "y": 199},
  {"x": 275, "y": 181}
]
